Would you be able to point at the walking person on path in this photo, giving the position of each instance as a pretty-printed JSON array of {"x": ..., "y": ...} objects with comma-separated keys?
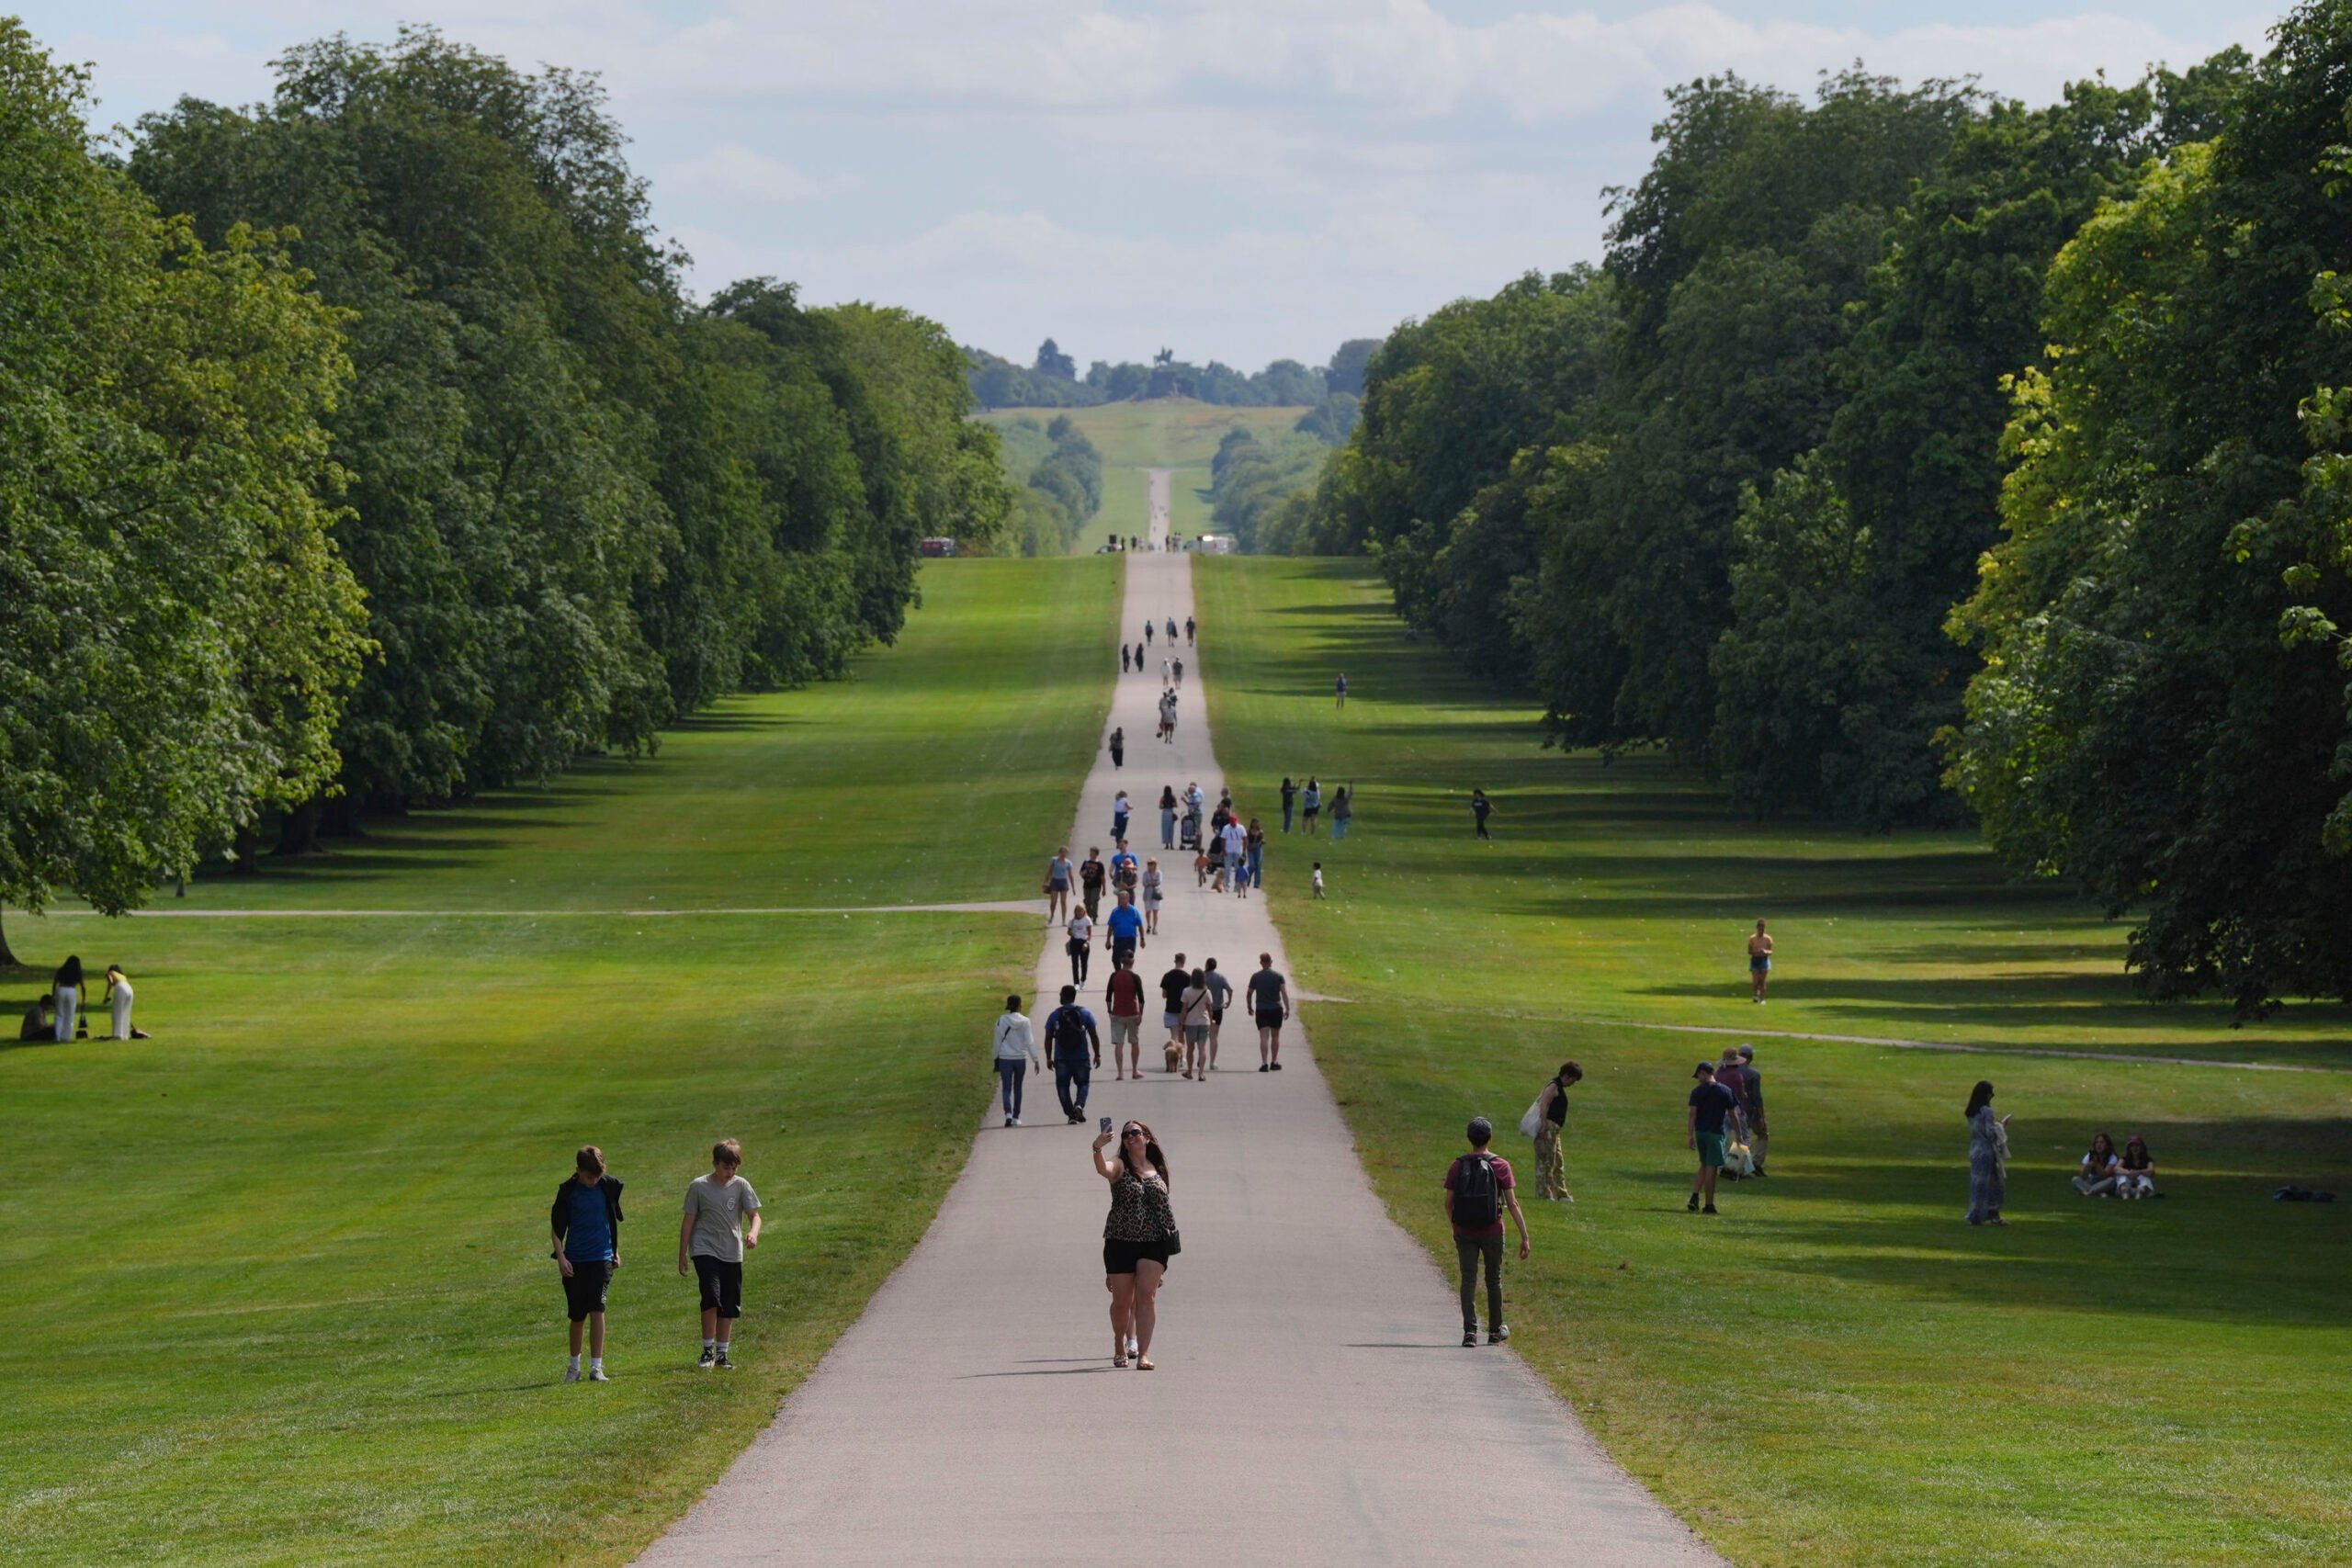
[
  {"x": 1146, "y": 632},
  {"x": 1759, "y": 960},
  {"x": 1552, "y": 1106},
  {"x": 1179, "y": 673},
  {"x": 1122, "y": 998},
  {"x": 586, "y": 1220},
  {"x": 1080, "y": 945},
  {"x": 1310, "y": 804},
  {"x": 1165, "y": 666},
  {"x": 1172, "y": 985},
  {"x": 1290, "y": 795},
  {"x": 1343, "y": 689},
  {"x": 1155, "y": 893},
  {"x": 1188, "y": 631},
  {"x": 1254, "y": 847},
  {"x": 1751, "y": 1099},
  {"x": 1220, "y": 998},
  {"x": 1344, "y": 810},
  {"x": 1126, "y": 930},
  {"x": 1071, "y": 1042},
  {"x": 1125, "y": 662},
  {"x": 1478, "y": 1188},
  {"x": 1269, "y": 1005},
  {"x": 1118, "y": 748},
  {"x": 1192, "y": 1009},
  {"x": 1060, "y": 874},
  {"x": 1480, "y": 810},
  {"x": 1710, "y": 1102},
  {"x": 712, "y": 1238},
  {"x": 1092, "y": 874},
  {"x": 1171, "y": 631},
  {"x": 1139, "y": 1238},
  {"x": 1988, "y": 1158},
  {"x": 1015, "y": 1054},
  {"x": 1139, "y": 659},
  {"x": 1124, "y": 870},
  {"x": 1121, "y": 811},
  {"x": 1236, "y": 853},
  {"x": 1167, "y": 817}
]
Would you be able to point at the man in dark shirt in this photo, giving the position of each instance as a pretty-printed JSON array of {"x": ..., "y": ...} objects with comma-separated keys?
[
  {"x": 1123, "y": 997},
  {"x": 1092, "y": 875},
  {"x": 1172, "y": 987},
  {"x": 1070, "y": 1038},
  {"x": 1710, "y": 1102},
  {"x": 1751, "y": 1099},
  {"x": 1269, "y": 1005}
]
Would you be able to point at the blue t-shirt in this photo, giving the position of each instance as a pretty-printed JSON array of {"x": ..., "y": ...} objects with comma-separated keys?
[
  {"x": 1123, "y": 862},
  {"x": 1124, "y": 923},
  {"x": 1714, "y": 1101},
  {"x": 1068, "y": 1029},
  {"x": 589, "y": 1237}
]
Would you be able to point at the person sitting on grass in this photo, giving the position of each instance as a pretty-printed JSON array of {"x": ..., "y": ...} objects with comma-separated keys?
[
  {"x": 2099, "y": 1169},
  {"x": 2137, "y": 1177},
  {"x": 40, "y": 1020}
]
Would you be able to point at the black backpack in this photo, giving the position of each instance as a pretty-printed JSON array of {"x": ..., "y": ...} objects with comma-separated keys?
[
  {"x": 1477, "y": 1201},
  {"x": 1065, "y": 1030}
]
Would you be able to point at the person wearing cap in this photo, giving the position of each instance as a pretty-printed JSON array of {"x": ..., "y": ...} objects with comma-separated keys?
[
  {"x": 1751, "y": 1102},
  {"x": 1710, "y": 1102},
  {"x": 1478, "y": 1190},
  {"x": 1728, "y": 1074}
]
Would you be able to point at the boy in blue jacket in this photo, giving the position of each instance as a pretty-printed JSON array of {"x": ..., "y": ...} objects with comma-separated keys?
[{"x": 587, "y": 1219}]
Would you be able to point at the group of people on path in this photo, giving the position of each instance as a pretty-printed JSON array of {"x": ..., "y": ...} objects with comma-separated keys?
[
  {"x": 717, "y": 1225},
  {"x": 58, "y": 1014}
]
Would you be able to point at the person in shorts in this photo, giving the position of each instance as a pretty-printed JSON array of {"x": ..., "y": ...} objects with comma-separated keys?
[
  {"x": 712, "y": 1237},
  {"x": 586, "y": 1220},
  {"x": 1172, "y": 985},
  {"x": 1139, "y": 1238},
  {"x": 1123, "y": 999},
  {"x": 1269, "y": 1005},
  {"x": 1710, "y": 1103},
  {"x": 1760, "y": 961},
  {"x": 1192, "y": 1013},
  {"x": 1060, "y": 874},
  {"x": 1220, "y": 998}
]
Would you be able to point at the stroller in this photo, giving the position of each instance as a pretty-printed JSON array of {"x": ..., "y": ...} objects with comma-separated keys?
[{"x": 1188, "y": 831}]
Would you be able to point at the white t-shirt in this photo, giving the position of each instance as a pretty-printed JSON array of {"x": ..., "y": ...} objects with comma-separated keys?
[
  {"x": 1237, "y": 838},
  {"x": 719, "y": 1214},
  {"x": 1081, "y": 928}
]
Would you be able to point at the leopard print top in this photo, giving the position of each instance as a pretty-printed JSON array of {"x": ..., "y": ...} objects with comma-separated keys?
[{"x": 1139, "y": 1210}]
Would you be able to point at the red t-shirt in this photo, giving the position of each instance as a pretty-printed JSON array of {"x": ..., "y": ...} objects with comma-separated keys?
[
  {"x": 1126, "y": 993},
  {"x": 1503, "y": 1183}
]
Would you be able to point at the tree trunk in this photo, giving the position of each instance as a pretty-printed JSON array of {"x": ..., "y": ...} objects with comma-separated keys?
[
  {"x": 246, "y": 848},
  {"x": 341, "y": 818},
  {"x": 298, "y": 833},
  {"x": 7, "y": 959}
]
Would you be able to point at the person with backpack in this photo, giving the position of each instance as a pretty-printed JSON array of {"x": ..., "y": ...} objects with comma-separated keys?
[
  {"x": 1070, "y": 1038},
  {"x": 586, "y": 1220},
  {"x": 1478, "y": 1189}
]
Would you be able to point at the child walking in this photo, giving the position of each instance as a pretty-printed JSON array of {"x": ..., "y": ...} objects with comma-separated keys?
[
  {"x": 587, "y": 1219},
  {"x": 711, "y": 1240}
]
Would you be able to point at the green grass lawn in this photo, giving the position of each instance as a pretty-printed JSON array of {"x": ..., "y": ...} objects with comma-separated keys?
[
  {"x": 1837, "y": 1369},
  {"x": 1163, "y": 432},
  {"x": 277, "y": 1280}
]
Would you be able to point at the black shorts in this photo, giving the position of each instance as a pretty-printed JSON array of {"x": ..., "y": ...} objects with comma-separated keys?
[
  {"x": 1121, "y": 1257},
  {"x": 583, "y": 1293},
  {"x": 1270, "y": 1020},
  {"x": 1216, "y": 1015},
  {"x": 722, "y": 1285}
]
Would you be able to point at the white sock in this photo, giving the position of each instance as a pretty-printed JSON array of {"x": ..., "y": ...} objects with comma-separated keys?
[
  {"x": 575, "y": 1363},
  {"x": 596, "y": 1363},
  {"x": 708, "y": 1345}
]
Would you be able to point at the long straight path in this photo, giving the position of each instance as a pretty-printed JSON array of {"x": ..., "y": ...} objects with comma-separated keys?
[{"x": 1312, "y": 1402}]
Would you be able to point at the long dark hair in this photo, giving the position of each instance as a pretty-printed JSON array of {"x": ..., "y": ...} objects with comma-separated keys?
[
  {"x": 1978, "y": 1099},
  {"x": 69, "y": 973},
  {"x": 2098, "y": 1138},
  {"x": 1167, "y": 797},
  {"x": 1150, "y": 1149}
]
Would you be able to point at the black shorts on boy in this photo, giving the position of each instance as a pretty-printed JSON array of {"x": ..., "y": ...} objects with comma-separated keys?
[
  {"x": 722, "y": 1285},
  {"x": 584, "y": 1291}
]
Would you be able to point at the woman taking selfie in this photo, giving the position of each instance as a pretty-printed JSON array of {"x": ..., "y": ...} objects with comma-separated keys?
[{"x": 1139, "y": 1238}]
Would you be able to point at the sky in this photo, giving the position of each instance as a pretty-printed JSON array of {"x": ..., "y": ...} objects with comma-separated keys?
[{"x": 1242, "y": 180}]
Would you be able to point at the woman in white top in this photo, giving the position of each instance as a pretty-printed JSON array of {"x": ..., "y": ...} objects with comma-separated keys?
[
  {"x": 1152, "y": 895},
  {"x": 1016, "y": 1048},
  {"x": 1193, "y": 1013}
]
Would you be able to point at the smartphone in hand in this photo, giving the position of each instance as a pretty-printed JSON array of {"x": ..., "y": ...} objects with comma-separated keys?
[{"x": 1106, "y": 1125}]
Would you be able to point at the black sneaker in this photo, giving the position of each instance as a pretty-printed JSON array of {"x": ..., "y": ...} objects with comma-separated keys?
[
  {"x": 1263, "y": 1068},
  {"x": 1470, "y": 1335},
  {"x": 1278, "y": 1067},
  {"x": 1501, "y": 1332},
  {"x": 707, "y": 1358},
  {"x": 722, "y": 1363},
  {"x": 1692, "y": 1206},
  {"x": 1708, "y": 1210}
]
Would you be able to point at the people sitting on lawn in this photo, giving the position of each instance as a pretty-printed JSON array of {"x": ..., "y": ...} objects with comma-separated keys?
[
  {"x": 2101, "y": 1173},
  {"x": 2137, "y": 1178},
  {"x": 40, "y": 1020}
]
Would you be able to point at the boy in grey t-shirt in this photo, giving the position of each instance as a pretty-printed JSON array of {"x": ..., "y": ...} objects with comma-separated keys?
[{"x": 711, "y": 1240}]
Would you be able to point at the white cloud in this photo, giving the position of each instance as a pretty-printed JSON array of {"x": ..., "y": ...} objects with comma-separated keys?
[{"x": 731, "y": 169}]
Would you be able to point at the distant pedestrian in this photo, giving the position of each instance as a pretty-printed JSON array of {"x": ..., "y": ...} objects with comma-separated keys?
[
  {"x": 1139, "y": 659},
  {"x": 1478, "y": 1189},
  {"x": 1171, "y": 630},
  {"x": 712, "y": 1238},
  {"x": 1080, "y": 945},
  {"x": 1123, "y": 999},
  {"x": 1092, "y": 875},
  {"x": 1154, "y": 892},
  {"x": 119, "y": 1000},
  {"x": 586, "y": 1220},
  {"x": 1059, "y": 875},
  {"x": 1139, "y": 1238},
  {"x": 1146, "y": 631},
  {"x": 1194, "y": 1007},
  {"x": 1124, "y": 870},
  {"x": 1188, "y": 631},
  {"x": 1310, "y": 804},
  {"x": 1290, "y": 795},
  {"x": 1172, "y": 985},
  {"x": 1071, "y": 1041},
  {"x": 1220, "y": 998},
  {"x": 1236, "y": 853},
  {"x": 1751, "y": 1097},
  {"x": 1344, "y": 690},
  {"x": 1551, "y": 1130},
  {"x": 1988, "y": 1158},
  {"x": 65, "y": 989},
  {"x": 1118, "y": 748},
  {"x": 1344, "y": 810},
  {"x": 1125, "y": 662},
  {"x": 1121, "y": 810},
  {"x": 1167, "y": 817},
  {"x": 1269, "y": 1005},
  {"x": 1166, "y": 667},
  {"x": 1180, "y": 672},
  {"x": 1254, "y": 845},
  {"x": 1480, "y": 810},
  {"x": 1015, "y": 1054},
  {"x": 1712, "y": 1105},
  {"x": 1125, "y": 930},
  {"x": 1759, "y": 960},
  {"x": 1318, "y": 879}
]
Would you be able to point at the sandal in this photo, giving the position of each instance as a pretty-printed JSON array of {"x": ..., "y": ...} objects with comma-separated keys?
[
  {"x": 1143, "y": 1364},
  {"x": 1120, "y": 1359}
]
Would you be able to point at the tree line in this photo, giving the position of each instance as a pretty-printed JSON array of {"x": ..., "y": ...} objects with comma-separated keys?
[
  {"x": 361, "y": 448},
  {"x": 1053, "y": 381},
  {"x": 1062, "y": 493},
  {"x": 1917, "y": 454}
]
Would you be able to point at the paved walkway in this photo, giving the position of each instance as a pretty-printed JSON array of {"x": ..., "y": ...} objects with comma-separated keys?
[{"x": 1312, "y": 1402}]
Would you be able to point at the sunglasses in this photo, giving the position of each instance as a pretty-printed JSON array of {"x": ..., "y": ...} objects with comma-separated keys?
[{"x": 1133, "y": 1132}]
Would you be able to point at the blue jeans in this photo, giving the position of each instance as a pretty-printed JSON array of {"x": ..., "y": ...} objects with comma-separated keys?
[
  {"x": 1340, "y": 827},
  {"x": 1009, "y": 1074},
  {"x": 1258, "y": 866},
  {"x": 1168, "y": 829},
  {"x": 1072, "y": 1070},
  {"x": 1286, "y": 806}
]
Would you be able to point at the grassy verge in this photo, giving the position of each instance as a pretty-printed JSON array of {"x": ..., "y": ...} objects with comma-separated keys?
[
  {"x": 1134, "y": 437},
  {"x": 1837, "y": 1369},
  {"x": 277, "y": 1280}
]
